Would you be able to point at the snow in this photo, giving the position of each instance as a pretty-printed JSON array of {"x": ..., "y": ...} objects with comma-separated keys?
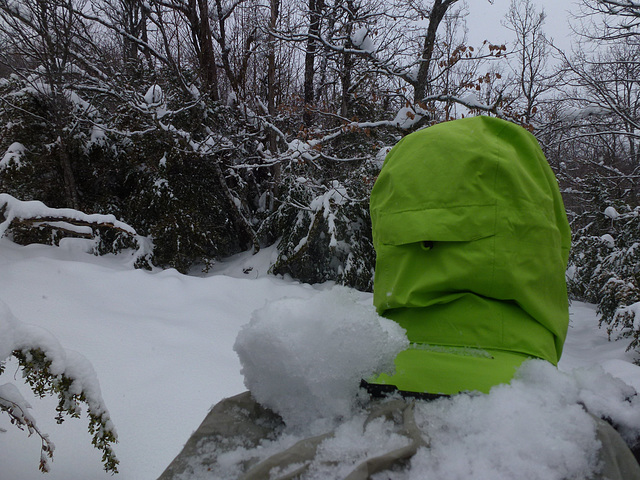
[
  {"x": 13, "y": 155},
  {"x": 161, "y": 344},
  {"x": 35, "y": 209},
  {"x": 98, "y": 136},
  {"x": 574, "y": 113},
  {"x": 381, "y": 155},
  {"x": 408, "y": 116},
  {"x": 471, "y": 100},
  {"x": 611, "y": 213},
  {"x": 304, "y": 357},
  {"x": 154, "y": 95},
  {"x": 361, "y": 39},
  {"x": 608, "y": 240},
  {"x": 300, "y": 148},
  {"x": 484, "y": 436}
]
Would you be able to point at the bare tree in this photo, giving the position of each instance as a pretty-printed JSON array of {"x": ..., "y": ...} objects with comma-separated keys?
[
  {"x": 531, "y": 53},
  {"x": 616, "y": 19},
  {"x": 196, "y": 14},
  {"x": 422, "y": 82},
  {"x": 46, "y": 33}
]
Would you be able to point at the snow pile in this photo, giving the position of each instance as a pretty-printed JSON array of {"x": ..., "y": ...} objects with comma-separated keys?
[
  {"x": 609, "y": 397},
  {"x": 531, "y": 429},
  {"x": 304, "y": 357},
  {"x": 534, "y": 428}
]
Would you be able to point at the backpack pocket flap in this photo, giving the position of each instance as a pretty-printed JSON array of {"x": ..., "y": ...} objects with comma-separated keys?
[{"x": 451, "y": 224}]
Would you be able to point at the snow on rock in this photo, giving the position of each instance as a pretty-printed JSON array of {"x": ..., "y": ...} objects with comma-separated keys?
[
  {"x": 304, "y": 357},
  {"x": 13, "y": 155},
  {"x": 531, "y": 429},
  {"x": 535, "y": 428},
  {"x": 609, "y": 397}
]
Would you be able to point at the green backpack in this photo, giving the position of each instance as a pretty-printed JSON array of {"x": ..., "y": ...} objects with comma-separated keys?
[{"x": 472, "y": 242}]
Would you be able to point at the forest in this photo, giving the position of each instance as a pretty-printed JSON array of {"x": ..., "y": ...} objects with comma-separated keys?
[{"x": 213, "y": 127}]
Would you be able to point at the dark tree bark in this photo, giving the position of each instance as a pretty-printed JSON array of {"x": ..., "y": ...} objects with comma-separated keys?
[
  {"x": 422, "y": 83},
  {"x": 198, "y": 14},
  {"x": 347, "y": 62},
  {"x": 315, "y": 10}
]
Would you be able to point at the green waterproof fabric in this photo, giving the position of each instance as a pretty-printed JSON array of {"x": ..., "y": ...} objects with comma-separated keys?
[{"x": 472, "y": 242}]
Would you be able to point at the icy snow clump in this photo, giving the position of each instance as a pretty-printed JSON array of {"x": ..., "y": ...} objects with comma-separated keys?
[{"x": 304, "y": 358}]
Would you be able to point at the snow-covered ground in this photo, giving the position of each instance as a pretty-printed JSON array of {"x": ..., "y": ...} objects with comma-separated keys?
[{"x": 162, "y": 346}]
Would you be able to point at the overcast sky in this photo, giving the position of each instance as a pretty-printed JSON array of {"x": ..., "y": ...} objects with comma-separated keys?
[{"x": 484, "y": 21}]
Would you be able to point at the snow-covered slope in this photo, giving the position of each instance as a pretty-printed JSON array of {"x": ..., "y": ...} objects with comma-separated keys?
[{"x": 162, "y": 346}]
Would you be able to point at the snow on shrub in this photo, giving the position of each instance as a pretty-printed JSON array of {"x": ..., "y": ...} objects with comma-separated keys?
[
  {"x": 304, "y": 357},
  {"x": 49, "y": 369},
  {"x": 14, "y": 154}
]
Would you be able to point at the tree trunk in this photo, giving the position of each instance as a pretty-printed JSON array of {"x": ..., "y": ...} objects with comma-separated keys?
[
  {"x": 315, "y": 9},
  {"x": 70, "y": 188},
  {"x": 207, "y": 60},
  {"x": 438, "y": 10},
  {"x": 271, "y": 73},
  {"x": 347, "y": 63},
  {"x": 198, "y": 14},
  {"x": 271, "y": 98}
]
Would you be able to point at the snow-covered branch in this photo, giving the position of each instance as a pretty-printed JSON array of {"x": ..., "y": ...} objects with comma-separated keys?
[
  {"x": 49, "y": 369},
  {"x": 37, "y": 214},
  {"x": 34, "y": 214}
]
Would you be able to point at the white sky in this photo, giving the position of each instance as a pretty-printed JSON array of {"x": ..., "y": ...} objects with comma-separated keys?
[{"x": 484, "y": 21}]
